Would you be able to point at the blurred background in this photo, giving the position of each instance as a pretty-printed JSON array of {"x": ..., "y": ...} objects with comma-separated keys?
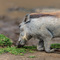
[{"x": 13, "y": 11}]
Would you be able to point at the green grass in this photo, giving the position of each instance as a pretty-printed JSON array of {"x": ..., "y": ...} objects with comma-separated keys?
[
  {"x": 13, "y": 50},
  {"x": 20, "y": 51},
  {"x": 31, "y": 51},
  {"x": 21, "y": 54},
  {"x": 31, "y": 56},
  {"x": 30, "y": 47},
  {"x": 5, "y": 41},
  {"x": 55, "y": 46},
  {"x": 16, "y": 51}
]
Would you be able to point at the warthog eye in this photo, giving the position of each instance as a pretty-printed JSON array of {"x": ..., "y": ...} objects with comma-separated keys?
[{"x": 19, "y": 26}]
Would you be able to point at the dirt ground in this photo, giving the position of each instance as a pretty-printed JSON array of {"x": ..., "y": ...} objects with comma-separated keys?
[
  {"x": 38, "y": 56},
  {"x": 12, "y": 13}
]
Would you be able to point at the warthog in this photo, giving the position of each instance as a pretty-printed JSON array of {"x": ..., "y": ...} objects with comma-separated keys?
[{"x": 43, "y": 26}]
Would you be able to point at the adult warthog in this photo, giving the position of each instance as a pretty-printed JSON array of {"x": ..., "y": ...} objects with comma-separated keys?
[{"x": 43, "y": 26}]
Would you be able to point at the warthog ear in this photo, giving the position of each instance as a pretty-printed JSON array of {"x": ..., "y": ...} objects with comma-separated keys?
[{"x": 27, "y": 18}]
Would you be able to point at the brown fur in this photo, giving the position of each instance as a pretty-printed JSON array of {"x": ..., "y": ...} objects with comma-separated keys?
[{"x": 55, "y": 14}]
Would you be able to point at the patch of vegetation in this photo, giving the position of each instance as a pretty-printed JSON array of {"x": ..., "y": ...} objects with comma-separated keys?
[
  {"x": 31, "y": 57},
  {"x": 21, "y": 54},
  {"x": 15, "y": 51},
  {"x": 31, "y": 51},
  {"x": 21, "y": 51},
  {"x": 55, "y": 46},
  {"x": 30, "y": 47},
  {"x": 5, "y": 41}
]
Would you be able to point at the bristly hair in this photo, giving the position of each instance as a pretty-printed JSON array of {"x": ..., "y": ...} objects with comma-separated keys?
[
  {"x": 40, "y": 15},
  {"x": 37, "y": 15}
]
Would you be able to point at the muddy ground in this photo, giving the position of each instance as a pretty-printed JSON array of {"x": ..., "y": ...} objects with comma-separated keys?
[{"x": 11, "y": 15}]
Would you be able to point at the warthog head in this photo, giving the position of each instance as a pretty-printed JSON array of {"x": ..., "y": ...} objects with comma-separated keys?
[{"x": 24, "y": 32}]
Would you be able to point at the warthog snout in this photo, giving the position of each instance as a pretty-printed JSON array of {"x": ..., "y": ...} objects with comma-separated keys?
[{"x": 19, "y": 45}]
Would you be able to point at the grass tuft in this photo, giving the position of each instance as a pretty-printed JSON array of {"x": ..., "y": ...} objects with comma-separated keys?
[
  {"x": 21, "y": 54},
  {"x": 12, "y": 50},
  {"x": 55, "y": 46},
  {"x": 31, "y": 57},
  {"x": 15, "y": 51},
  {"x": 5, "y": 41}
]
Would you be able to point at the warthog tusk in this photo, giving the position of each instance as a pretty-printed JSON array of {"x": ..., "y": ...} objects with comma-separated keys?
[{"x": 25, "y": 38}]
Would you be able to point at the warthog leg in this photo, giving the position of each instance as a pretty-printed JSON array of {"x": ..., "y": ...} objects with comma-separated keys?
[
  {"x": 47, "y": 45},
  {"x": 47, "y": 37},
  {"x": 40, "y": 45},
  {"x": 47, "y": 41}
]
